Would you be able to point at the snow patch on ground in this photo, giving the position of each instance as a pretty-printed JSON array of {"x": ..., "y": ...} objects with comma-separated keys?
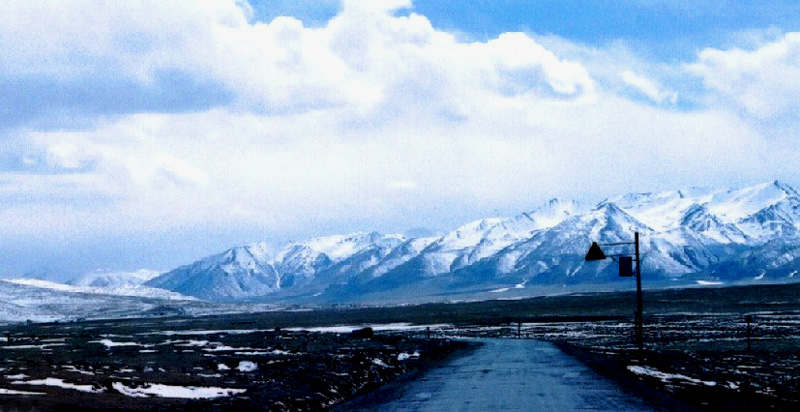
[
  {"x": 205, "y": 332},
  {"x": 71, "y": 368},
  {"x": 666, "y": 377},
  {"x": 171, "y": 391},
  {"x": 246, "y": 366},
  {"x": 60, "y": 383},
  {"x": 13, "y": 392},
  {"x": 377, "y": 328},
  {"x": 32, "y": 346},
  {"x": 403, "y": 356},
  {"x": 111, "y": 344}
]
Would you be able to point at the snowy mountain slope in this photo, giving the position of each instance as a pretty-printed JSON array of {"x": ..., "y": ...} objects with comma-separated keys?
[
  {"x": 694, "y": 231},
  {"x": 477, "y": 240},
  {"x": 777, "y": 220},
  {"x": 359, "y": 264},
  {"x": 300, "y": 263},
  {"x": 113, "y": 279},
  {"x": 21, "y": 302},
  {"x": 732, "y": 206},
  {"x": 562, "y": 247},
  {"x": 664, "y": 210},
  {"x": 748, "y": 215},
  {"x": 699, "y": 219},
  {"x": 249, "y": 272},
  {"x": 238, "y": 272},
  {"x": 400, "y": 255},
  {"x": 115, "y": 290},
  {"x": 778, "y": 259}
]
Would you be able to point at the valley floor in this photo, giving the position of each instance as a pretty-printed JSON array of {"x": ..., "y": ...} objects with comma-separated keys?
[{"x": 308, "y": 360}]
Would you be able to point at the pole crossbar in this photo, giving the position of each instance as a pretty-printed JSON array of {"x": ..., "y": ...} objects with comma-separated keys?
[{"x": 617, "y": 244}]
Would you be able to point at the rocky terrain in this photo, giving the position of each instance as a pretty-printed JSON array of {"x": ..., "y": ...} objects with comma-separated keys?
[{"x": 144, "y": 365}]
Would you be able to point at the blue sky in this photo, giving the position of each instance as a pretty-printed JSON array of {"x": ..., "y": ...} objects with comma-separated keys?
[
  {"x": 147, "y": 135},
  {"x": 666, "y": 30}
]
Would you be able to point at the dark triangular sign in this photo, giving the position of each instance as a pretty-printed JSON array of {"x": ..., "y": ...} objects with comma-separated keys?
[{"x": 595, "y": 253}]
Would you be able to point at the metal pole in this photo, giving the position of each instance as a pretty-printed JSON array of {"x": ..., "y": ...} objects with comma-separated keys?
[{"x": 639, "y": 318}]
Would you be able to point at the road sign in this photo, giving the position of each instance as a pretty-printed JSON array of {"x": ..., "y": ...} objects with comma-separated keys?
[{"x": 625, "y": 266}]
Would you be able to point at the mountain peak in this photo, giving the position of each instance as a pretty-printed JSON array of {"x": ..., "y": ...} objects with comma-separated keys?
[
  {"x": 785, "y": 187},
  {"x": 551, "y": 213}
]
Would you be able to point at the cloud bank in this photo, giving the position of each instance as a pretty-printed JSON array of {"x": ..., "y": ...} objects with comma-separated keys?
[{"x": 133, "y": 119}]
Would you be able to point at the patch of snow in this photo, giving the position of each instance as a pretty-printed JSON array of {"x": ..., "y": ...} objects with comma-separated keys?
[
  {"x": 205, "y": 332},
  {"x": 60, "y": 383},
  {"x": 17, "y": 377},
  {"x": 192, "y": 342},
  {"x": 246, "y": 366},
  {"x": 281, "y": 352},
  {"x": 33, "y": 346},
  {"x": 223, "y": 367},
  {"x": 380, "y": 362},
  {"x": 666, "y": 377},
  {"x": 403, "y": 356},
  {"x": 71, "y": 368},
  {"x": 709, "y": 283},
  {"x": 111, "y": 344},
  {"x": 225, "y": 348},
  {"x": 172, "y": 391},
  {"x": 13, "y": 392},
  {"x": 402, "y": 326}
]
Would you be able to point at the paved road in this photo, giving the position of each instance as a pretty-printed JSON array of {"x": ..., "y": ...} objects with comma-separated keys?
[{"x": 511, "y": 375}]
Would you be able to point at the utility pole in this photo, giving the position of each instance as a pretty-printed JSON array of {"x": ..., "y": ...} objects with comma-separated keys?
[
  {"x": 625, "y": 270},
  {"x": 639, "y": 317}
]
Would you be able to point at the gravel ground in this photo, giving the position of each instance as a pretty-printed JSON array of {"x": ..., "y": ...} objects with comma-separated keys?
[{"x": 164, "y": 369}]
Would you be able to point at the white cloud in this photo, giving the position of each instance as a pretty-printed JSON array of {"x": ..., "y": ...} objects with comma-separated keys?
[
  {"x": 649, "y": 88},
  {"x": 764, "y": 82},
  {"x": 373, "y": 121}
]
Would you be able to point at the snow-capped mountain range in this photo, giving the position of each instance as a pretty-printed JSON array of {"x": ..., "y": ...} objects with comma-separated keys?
[{"x": 720, "y": 235}]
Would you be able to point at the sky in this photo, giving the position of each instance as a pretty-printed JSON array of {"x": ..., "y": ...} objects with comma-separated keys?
[{"x": 147, "y": 135}]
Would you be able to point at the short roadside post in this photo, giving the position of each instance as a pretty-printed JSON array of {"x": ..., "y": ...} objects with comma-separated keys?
[
  {"x": 748, "y": 319},
  {"x": 625, "y": 261}
]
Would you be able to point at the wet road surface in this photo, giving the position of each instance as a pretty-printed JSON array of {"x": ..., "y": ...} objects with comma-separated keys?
[{"x": 509, "y": 375}]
